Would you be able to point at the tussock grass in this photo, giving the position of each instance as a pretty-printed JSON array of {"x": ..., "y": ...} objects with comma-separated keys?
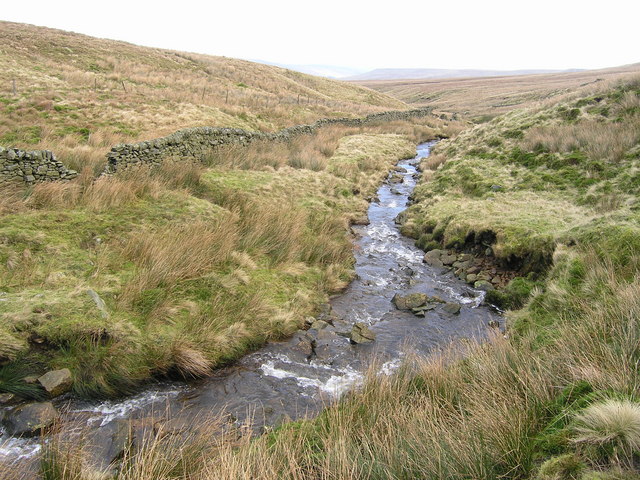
[
  {"x": 613, "y": 427},
  {"x": 179, "y": 252}
]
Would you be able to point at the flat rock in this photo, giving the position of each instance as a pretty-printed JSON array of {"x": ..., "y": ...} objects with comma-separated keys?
[
  {"x": 452, "y": 308},
  {"x": 7, "y": 398},
  {"x": 407, "y": 302},
  {"x": 99, "y": 303},
  {"x": 319, "y": 325},
  {"x": 361, "y": 333},
  {"x": 57, "y": 382},
  {"x": 30, "y": 419},
  {"x": 396, "y": 178}
]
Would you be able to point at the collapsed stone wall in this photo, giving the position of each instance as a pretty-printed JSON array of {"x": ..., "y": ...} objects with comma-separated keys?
[
  {"x": 199, "y": 141},
  {"x": 31, "y": 166}
]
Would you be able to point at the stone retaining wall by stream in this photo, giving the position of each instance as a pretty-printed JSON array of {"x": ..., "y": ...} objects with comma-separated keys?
[{"x": 39, "y": 165}]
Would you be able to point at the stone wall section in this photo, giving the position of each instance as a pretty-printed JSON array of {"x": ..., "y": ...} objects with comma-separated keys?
[
  {"x": 41, "y": 165},
  {"x": 199, "y": 141},
  {"x": 32, "y": 166}
]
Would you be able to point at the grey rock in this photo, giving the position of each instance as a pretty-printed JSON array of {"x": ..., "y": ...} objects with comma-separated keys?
[
  {"x": 30, "y": 419},
  {"x": 452, "y": 308},
  {"x": 57, "y": 382},
  {"x": 448, "y": 259},
  {"x": 30, "y": 379},
  {"x": 483, "y": 285},
  {"x": 319, "y": 325},
  {"x": 7, "y": 398},
  {"x": 407, "y": 302},
  {"x": 361, "y": 333},
  {"x": 432, "y": 257},
  {"x": 99, "y": 303}
]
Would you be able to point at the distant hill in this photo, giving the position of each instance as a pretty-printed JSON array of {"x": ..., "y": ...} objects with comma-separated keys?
[
  {"x": 418, "y": 73},
  {"x": 485, "y": 97},
  {"x": 79, "y": 95},
  {"x": 328, "y": 71}
]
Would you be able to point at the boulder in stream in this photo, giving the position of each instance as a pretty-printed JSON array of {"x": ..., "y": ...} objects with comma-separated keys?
[
  {"x": 407, "y": 302},
  {"x": 433, "y": 257},
  {"x": 30, "y": 419},
  {"x": 452, "y": 308},
  {"x": 396, "y": 178},
  {"x": 361, "y": 333},
  {"x": 483, "y": 285}
]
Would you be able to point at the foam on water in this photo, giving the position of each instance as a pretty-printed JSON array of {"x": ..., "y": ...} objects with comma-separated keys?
[
  {"x": 108, "y": 411},
  {"x": 343, "y": 379},
  {"x": 18, "y": 448}
]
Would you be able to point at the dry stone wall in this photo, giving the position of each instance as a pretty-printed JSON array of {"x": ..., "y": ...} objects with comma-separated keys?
[
  {"x": 199, "y": 141},
  {"x": 31, "y": 166},
  {"x": 41, "y": 165}
]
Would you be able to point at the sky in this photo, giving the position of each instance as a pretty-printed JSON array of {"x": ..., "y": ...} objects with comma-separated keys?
[{"x": 487, "y": 34}]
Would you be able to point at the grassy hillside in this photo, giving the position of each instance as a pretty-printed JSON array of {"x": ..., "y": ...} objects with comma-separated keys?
[
  {"x": 78, "y": 95},
  {"x": 556, "y": 398},
  {"x": 484, "y": 98}
]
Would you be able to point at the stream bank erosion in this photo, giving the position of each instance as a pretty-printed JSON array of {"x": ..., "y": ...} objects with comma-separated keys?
[{"x": 295, "y": 378}]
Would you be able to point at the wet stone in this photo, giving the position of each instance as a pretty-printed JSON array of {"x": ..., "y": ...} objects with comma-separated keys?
[
  {"x": 483, "y": 285},
  {"x": 448, "y": 259},
  {"x": 319, "y": 325},
  {"x": 361, "y": 333},
  {"x": 30, "y": 419},
  {"x": 452, "y": 308},
  {"x": 407, "y": 302},
  {"x": 7, "y": 398}
]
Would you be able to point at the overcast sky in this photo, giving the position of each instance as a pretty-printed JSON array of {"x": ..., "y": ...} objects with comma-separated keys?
[{"x": 488, "y": 34}]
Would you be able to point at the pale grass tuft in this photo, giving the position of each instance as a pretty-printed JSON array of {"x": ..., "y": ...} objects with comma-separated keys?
[
  {"x": 244, "y": 260},
  {"x": 242, "y": 276},
  {"x": 189, "y": 361},
  {"x": 613, "y": 425},
  {"x": 54, "y": 195}
]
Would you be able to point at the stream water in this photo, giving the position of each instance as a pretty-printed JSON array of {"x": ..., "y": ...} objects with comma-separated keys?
[{"x": 282, "y": 380}]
